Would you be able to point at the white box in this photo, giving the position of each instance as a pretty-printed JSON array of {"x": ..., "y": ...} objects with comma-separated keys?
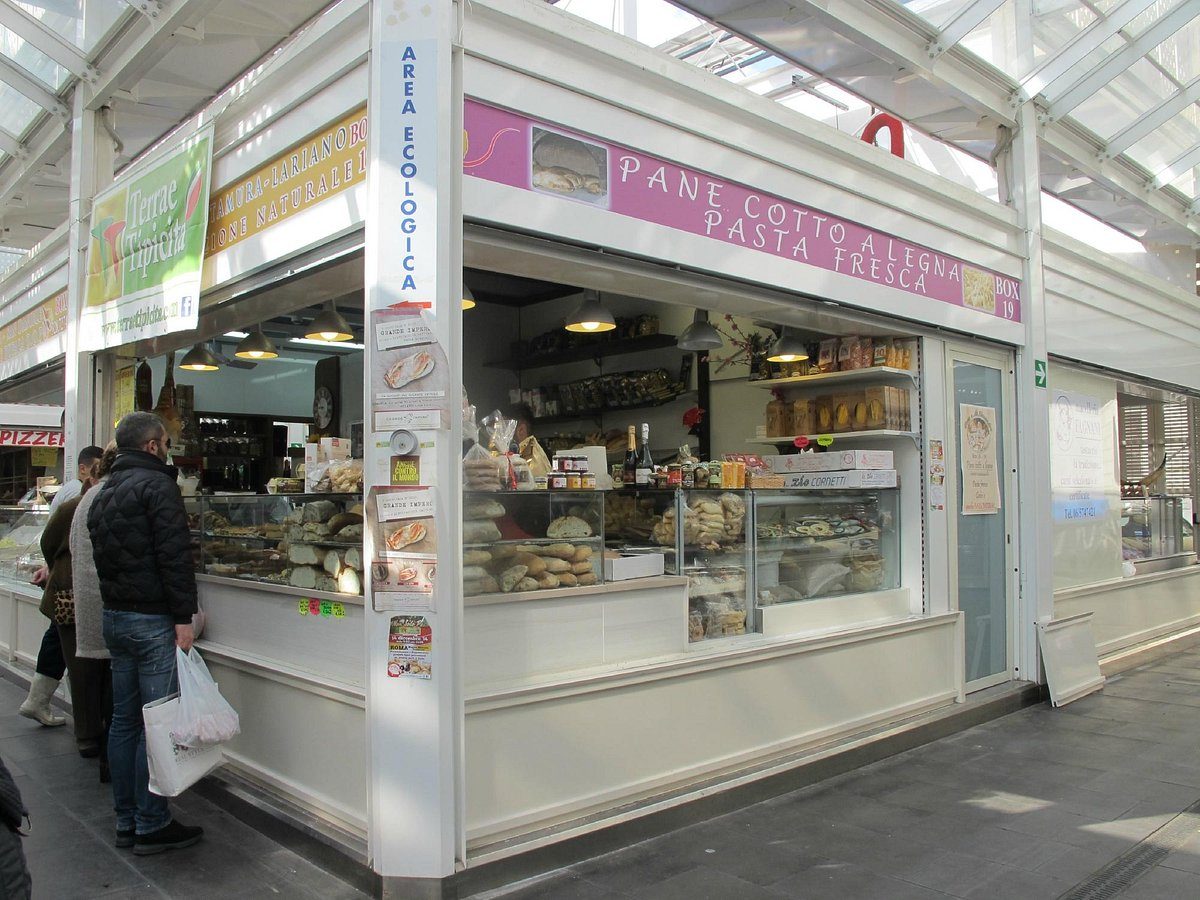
[
  {"x": 334, "y": 448},
  {"x": 859, "y": 478},
  {"x": 831, "y": 461},
  {"x": 643, "y": 565}
]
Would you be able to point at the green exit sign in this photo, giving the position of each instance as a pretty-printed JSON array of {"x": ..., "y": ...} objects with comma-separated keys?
[{"x": 1039, "y": 373}]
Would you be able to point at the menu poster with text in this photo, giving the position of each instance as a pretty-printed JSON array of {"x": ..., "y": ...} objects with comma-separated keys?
[
  {"x": 410, "y": 647},
  {"x": 404, "y": 548},
  {"x": 1077, "y": 462},
  {"x": 408, "y": 384},
  {"x": 980, "y": 460}
]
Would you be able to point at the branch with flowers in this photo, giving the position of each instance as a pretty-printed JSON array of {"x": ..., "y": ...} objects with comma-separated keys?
[{"x": 748, "y": 345}]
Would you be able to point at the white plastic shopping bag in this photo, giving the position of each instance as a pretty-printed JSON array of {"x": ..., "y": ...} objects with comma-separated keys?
[
  {"x": 205, "y": 717},
  {"x": 173, "y": 768}
]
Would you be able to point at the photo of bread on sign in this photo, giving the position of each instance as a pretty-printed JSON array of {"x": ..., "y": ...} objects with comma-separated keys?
[{"x": 569, "y": 167}]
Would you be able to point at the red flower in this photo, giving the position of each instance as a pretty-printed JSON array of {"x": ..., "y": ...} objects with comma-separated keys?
[{"x": 693, "y": 417}]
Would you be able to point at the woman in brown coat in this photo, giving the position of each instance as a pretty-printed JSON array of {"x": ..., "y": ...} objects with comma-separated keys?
[{"x": 58, "y": 604}]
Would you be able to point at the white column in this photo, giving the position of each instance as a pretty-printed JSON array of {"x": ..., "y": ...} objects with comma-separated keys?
[
  {"x": 414, "y": 254},
  {"x": 1036, "y": 561},
  {"x": 92, "y": 161}
]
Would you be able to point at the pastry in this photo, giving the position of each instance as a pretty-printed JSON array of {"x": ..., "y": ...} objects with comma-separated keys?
[
  {"x": 476, "y": 557},
  {"x": 511, "y": 576}
]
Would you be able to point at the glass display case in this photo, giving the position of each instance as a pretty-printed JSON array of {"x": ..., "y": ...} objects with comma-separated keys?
[
  {"x": 20, "y": 542},
  {"x": 531, "y": 541},
  {"x": 703, "y": 535},
  {"x": 1154, "y": 528},
  {"x": 813, "y": 544},
  {"x": 308, "y": 541}
]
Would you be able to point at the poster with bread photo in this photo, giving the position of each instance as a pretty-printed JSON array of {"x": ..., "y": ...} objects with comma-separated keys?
[
  {"x": 566, "y": 166},
  {"x": 410, "y": 373},
  {"x": 403, "y": 571}
]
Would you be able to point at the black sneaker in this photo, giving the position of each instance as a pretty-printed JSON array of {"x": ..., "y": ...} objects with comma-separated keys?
[
  {"x": 125, "y": 838},
  {"x": 174, "y": 836}
]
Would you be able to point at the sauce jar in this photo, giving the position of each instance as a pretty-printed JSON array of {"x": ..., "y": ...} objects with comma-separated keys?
[
  {"x": 574, "y": 481},
  {"x": 588, "y": 481},
  {"x": 557, "y": 481}
]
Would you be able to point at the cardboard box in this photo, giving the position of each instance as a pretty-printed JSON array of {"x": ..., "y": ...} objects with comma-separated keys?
[
  {"x": 849, "y": 411},
  {"x": 876, "y": 410},
  {"x": 824, "y": 423},
  {"x": 754, "y": 480},
  {"x": 859, "y": 478},
  {"x": 334, "y": 448},
  {"x": 830, "y": 461},
  {"x": 804, "y": 416},
  {"x": 642, "y": 565}
]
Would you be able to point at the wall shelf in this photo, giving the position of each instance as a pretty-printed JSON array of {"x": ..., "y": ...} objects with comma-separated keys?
[
  {"x": 837, "y": 436},
  {"x": 875, "y": 373}
]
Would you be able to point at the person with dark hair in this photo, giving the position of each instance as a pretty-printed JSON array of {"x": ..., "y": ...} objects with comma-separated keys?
[
  {"x": 523, "y": 416},
  {"x": 51, "y": 662},
  {"x": 89, "y": 635},
  {"x": 141, "y": 545}
]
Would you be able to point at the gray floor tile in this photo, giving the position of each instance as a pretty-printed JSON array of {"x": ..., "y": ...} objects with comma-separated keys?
[
  {"x": 1075, "y": 865},
  {"x": 701, "y": 883},
  {"x": 839, "y": 881},
  {"x": 566, "y": 885},
  {"x": 65, "y": 872},
  {"x": 1163, "y": 884}
]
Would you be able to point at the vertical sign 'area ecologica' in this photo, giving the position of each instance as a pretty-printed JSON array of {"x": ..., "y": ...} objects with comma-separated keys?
[{"x": 146, "y": 248}]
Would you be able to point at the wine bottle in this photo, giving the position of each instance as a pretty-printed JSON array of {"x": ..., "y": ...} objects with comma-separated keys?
[
  {"x": 645, "y": 464},
  {"x": 629, "y": 473}
]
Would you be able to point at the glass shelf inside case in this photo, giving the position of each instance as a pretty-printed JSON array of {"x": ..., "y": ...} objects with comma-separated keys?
[
  {"x": 306, "y": 541},
  {"x": 520, "y": 541},
  {"x": 815, "y": 544},
  {"x": 20, "y": 543}
]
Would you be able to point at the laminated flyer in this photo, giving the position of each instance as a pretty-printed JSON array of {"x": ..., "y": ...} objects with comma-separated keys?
[
  {"x": 980, "y": 460},
  {"x": 404, "y": 548},
  {"x": 408, "y": 384},
  {"x": 410, "y": 647}
]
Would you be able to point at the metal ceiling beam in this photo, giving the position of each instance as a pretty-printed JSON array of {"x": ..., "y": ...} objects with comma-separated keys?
[
  {"x": 1067, "y": 59},
  {"x": 136, "y": 57},
  {"x": 1181, "y": 164},
  {"x": 25, "y": 84},
  {"x": 1152, "y": 119},
  {"x": 49, "y": 42},
  {"x": 48, "y": 147},
  {"x": 1063, "y": 101},
  {"x": 11, "y": 145},
  {"x": 964, "y": 22}
]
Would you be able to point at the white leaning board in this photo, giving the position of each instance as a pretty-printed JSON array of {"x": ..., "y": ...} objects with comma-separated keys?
[{"x": 1069, "y": 655}]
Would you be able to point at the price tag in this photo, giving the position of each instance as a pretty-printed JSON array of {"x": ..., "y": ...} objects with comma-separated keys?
[
  {"x": 303, "y": 607},
  {"x": 339, "y": 611},
  {"x": 314, "y": 607},
  {"x": 326, "y": 608},
  {"x": 825, "y": 440}
]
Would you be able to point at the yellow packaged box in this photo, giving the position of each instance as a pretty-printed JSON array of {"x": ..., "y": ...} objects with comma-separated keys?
[
  {"x": 850, "y": 411},
  {"x": 824, "y": 414},
  {"x": 876, "y": 412},
  {"x": 804, "y": 416}
]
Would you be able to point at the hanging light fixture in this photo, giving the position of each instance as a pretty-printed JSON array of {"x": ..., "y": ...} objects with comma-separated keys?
[
  {"x": 199, "y": 359},
  {"x": 591, "y": 317},
  {"x": 700, "y": 335},
  {"x": 256, "y": 345},
  {"x": 329, "y": 326},
  {"x": 787, "y": 349},
  {"x": 468, "y": 297}
]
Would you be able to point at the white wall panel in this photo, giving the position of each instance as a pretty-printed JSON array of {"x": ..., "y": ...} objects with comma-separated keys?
[{"x": 1126, "y": 613}]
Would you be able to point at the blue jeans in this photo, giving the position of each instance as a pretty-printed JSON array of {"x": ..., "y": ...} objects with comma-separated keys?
[{"x": 143, "y": 670}]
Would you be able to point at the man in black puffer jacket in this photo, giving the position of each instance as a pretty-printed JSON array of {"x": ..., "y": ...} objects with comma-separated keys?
[{"x": 142, "y": 547}]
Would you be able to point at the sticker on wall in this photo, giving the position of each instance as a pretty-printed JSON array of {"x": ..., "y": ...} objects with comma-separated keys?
[
  {"x": 404, "y": 548},
  {"x": 410, "y": 647},
  {"x": 980, "y": 460},
  {"x": 937, "y": 475}
]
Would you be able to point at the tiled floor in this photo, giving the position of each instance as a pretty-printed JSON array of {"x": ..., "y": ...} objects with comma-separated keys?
[
  {"x": 1025, "y": 807},
  {"x": 70, "y": 847}
]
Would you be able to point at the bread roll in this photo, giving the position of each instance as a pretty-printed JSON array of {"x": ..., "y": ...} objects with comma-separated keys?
[
  {"x": 526, "y": 584},
  {"x": 556, "y": 565},
  {"x": 476, "y": 557},
  {"x": 581, "y": 568},
  {"x": 581, "y": 554},
  {"x": 548, "y": 581},
  {"x": 566, "y": 579},
  {"x": 510, "y": 577},
  {"x": 586, "y": 580},
  {"x": 534, "y": 565},
  {"x": 562, "y": 551}
]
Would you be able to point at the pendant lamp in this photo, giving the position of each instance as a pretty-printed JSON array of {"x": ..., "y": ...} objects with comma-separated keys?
[
  {"x": 199, "y": 359},
  {"x": 788, "y": 349},
  {"x": 700, "y": 335},
  {"x": 329, "y": 326},
  {"x": 468, "y": 297},
  {"x": 591, "y": 317},
  {"x": 256, "y": 345}
]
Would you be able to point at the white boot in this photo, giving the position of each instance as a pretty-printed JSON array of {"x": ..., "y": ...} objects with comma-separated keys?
[{"x": 37, "y": 704}]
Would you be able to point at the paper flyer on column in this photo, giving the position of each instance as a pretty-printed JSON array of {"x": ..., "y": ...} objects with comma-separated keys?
[
  {"x": 980, "y": 460},
  {"x": 404, "y": 548},
  {"x": 410, "y": 647}
]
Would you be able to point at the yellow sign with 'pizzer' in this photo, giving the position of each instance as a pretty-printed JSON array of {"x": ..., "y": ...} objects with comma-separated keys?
[{"x": 321, "y": 166}]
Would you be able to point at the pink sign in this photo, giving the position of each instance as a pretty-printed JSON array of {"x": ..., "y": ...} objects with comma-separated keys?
[{"x": 507, "y": 148}]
